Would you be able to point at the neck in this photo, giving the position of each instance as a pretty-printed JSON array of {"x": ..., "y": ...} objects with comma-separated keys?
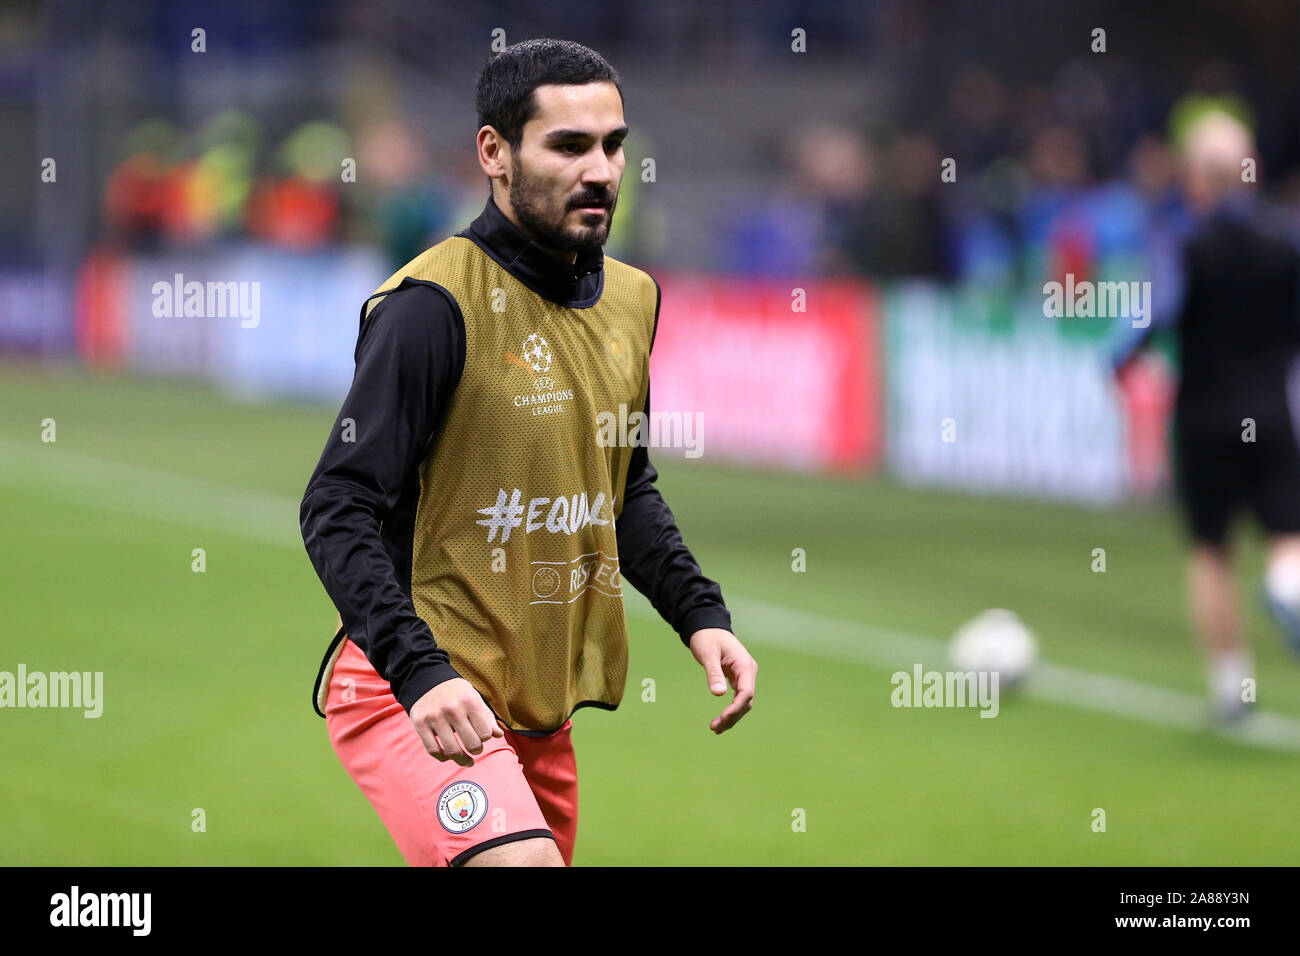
[{"x": 508, "y": 210}]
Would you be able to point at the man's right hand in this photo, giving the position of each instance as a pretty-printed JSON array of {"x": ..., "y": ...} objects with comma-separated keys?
[{"x": 454, "y": 707}]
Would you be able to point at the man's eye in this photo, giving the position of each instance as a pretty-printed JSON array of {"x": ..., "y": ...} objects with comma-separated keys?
[{"x": 567, "y": 147}]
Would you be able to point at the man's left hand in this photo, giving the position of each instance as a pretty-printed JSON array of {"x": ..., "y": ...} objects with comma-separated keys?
[{"x": 721, "y": 655}]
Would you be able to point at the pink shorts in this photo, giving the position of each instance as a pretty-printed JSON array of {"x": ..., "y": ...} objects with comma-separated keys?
[{"x": 438, "y": 812}]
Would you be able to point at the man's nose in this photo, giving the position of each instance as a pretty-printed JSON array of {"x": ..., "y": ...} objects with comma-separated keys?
[{"x": 598, "y": 173}]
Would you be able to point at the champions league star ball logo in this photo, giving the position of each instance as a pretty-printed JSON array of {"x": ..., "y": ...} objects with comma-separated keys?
[
  {"x": 461, "y": 806},
  {"x": 537, "y": 354},
  {"x": 538, "y": 358}
]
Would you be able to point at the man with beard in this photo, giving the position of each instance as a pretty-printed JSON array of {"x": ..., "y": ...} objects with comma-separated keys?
[{"x": 463, "y": 514}]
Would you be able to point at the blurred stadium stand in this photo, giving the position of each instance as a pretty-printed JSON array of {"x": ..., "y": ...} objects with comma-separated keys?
[{"x": 814, "y": 167}]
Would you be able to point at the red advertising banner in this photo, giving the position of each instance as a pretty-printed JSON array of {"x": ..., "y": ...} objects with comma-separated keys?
[
  {"x": 1148, "y": 390},
  {"x": 777, "y": 374}
]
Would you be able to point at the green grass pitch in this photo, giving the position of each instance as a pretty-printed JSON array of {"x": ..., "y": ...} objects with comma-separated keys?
[{"x": 207, "y": 677}]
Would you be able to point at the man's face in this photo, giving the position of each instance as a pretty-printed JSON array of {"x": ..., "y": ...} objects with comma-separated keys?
[{"x": 568, "y": 168}]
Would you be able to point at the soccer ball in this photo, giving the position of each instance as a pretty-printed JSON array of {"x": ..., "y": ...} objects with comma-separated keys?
[{"x": 995, "y": 640}]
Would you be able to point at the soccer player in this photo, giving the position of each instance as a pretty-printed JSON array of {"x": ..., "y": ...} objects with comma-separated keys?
[
  {"x": 464, "y": 518},
  {"x": 1233, "y": 296}
]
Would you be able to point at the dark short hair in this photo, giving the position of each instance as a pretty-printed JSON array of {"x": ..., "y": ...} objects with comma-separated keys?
[{"x": 504, "y": 94}]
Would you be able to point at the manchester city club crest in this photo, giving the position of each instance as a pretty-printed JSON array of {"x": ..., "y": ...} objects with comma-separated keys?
[
  {"x": 461, "y": 806},
  {"x": 619, "y": 351}
]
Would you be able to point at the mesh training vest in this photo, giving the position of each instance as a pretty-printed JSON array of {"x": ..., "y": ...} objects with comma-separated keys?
[{"x": 514, "y": 562}]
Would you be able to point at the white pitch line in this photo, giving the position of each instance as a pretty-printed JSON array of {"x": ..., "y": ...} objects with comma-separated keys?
[
  {"x": 841, "y": 639},
  {"x": 137, "y": 490},
  {"x": 273, "y": 519}
]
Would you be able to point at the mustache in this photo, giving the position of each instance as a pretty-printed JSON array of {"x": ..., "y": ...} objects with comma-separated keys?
[{"x": 604, "y": 201}]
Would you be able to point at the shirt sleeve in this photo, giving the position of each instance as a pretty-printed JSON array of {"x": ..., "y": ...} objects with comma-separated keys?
[
  {"x": 652, "y": 554},
  {"x": 409, "y": 357}
]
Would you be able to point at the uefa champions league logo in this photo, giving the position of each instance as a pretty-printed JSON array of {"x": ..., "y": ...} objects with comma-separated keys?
[{"x": 546, "y": 399}]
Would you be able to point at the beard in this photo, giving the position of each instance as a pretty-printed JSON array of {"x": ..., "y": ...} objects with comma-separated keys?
[{"x": 532, "y": 203}]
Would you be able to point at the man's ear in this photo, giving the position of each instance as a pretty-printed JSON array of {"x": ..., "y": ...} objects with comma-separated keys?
[{"x": 499, "y": 150}]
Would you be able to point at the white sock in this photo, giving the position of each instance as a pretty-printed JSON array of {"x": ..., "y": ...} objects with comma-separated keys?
[{"x": 1228, "y": 672}]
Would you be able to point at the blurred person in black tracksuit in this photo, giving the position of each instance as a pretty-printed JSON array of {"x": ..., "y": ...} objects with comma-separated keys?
[{"x": 1233, "y": 298}]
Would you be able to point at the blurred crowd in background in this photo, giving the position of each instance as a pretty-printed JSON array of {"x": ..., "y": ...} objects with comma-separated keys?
[
  {"x": 1024, "y": 184},
  {"x": 940, "y": 159},
  {"x": 1060, "y": 150}
]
